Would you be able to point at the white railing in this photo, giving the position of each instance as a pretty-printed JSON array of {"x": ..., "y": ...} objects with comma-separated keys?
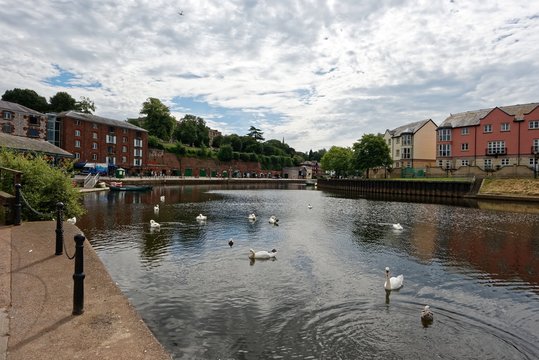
[{"x": 90, "y": 181}]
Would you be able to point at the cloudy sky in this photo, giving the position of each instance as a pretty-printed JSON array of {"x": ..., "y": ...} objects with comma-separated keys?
[{"x": 316, "y": 73}]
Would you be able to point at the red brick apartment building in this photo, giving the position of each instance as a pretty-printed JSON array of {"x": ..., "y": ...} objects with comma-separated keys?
[
  {"x": 95, "y": 139},
  {"x": 490, "y": 138},
  {"x": 22, "y": 121}
]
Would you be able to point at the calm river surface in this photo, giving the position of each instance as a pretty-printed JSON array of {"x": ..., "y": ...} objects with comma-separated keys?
[{"x": 323, "y": 296}]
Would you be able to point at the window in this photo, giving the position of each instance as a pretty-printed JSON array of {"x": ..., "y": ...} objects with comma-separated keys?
[
  {"x": 77, "y": 155},
  {"x": 505, "y": 161},
  {"x": 94, "y": 146},
  {"x": 77, "y": 132},
  {"x": 124, "y": 148},
  {"x": 32, "y": 132},
  {"x": 505, "y": 127},
  {"x": 33, "y": 120},
  {"x": 397, "y": 153},
  {"x": 111, "y": 160},
  {"x": 535, "y": 148},
  {"x": 124, "y": 159},
  {"x": 77, "y": 122},
  {"x": 533, "y": 125},
  {"x": 444, "y": 150},
  {"x": 534, "y": 162},
  {"x": 389, "y": 142},
  {"x": 138, "y": 152},
  {"x": 487, "y": 164},
  {"x": 111, "y": 129},
  {"x": 465, "y": 162},
  {"x": 440, "y": 163},
  {"x": 94, "y": 135},
  {"x": 124, "y": 130},
  {"x": 137, "y": 162},
  {"x": 464, "y": 131},
  {"x": 111, "y": 139},
  {"x": 464, "y": 147},
  {"x": 444, "y": 134},
  {"x": 397, "y": 140},
  {"x": 138, "y": 143},
  {"x": 496, "y": 147},
  {"x": 94, "y": 156},
  {"x": 94, "y": 126},
  {"x": 487, "y": 128},
  {"x": 7, "y": 128},
  {"x": 110, "y": 149},
  {"x": 77, "y": 143},
  {"x": 124, "y": 139},
  {"x": 406, "y": 153},
  {"x": 407, "y": 140},
  {"x": 8, "y": 115}
]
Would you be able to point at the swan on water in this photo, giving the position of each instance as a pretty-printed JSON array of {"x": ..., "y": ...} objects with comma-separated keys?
[
  {"x": 427, "y": 315},
  {"x": 262, "y": 254},
  {"x": 230, "y": 242},
  {"x": 156, "y": 208},
  {"x": 201, "y": 217},
  {"x": 397, "y": 226},
  {"x": 393, "y": 283},
  {"x": 72, "y": 220},
  {"x": 252, "y": 216},
  {"x": 273, "y": 220},
  {"x": 162, "y": 198},
  {"x": 154, "y": 224},
  {"x": 310, "y": 206}
]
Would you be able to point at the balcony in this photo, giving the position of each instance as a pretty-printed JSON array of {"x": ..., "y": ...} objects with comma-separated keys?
[{"x": 496, "y": 151}]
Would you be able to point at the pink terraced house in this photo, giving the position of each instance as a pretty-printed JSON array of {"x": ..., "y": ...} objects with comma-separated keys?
[{"x": 490, "y": 138}]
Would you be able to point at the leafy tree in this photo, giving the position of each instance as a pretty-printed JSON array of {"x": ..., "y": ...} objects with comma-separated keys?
[
  {"x": 233, "y": 140},
  {"x": 62, "y": 101},
  {"x": 85, "y": 105},
  {"x": 28, "y": 98},
  {"x": 371, "y": 151},
  {"x": 255, "y": 134},
  {"x": 216, "y": 142},
  {"x": 337, "y": 159},
  {"x": 225, "y": 153},
  {"x": 192, "y": 130},
  {"x": 43, "y": 186},
  {"x": 158, "y": 120}
]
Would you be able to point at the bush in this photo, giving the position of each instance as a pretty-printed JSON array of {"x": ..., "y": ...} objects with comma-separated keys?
[{"x": 43, "y": 186}]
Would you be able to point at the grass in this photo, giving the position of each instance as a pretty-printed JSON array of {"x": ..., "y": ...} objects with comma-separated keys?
[{"x": 515, "y": 187}]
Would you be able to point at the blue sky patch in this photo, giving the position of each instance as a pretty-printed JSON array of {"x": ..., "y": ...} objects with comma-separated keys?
[{"x": 67, "y": 79}]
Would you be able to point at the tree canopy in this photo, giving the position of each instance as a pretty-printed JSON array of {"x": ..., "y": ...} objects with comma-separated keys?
[
  {"x": 255, "y": 134},
  {"x": 158, "y": 120},
  {"x": 28, "y": 98},
  {"x": 371, "y": 151},
  {"x": 192, "y": 130},
  {"x": 338, "y": 160},
  {"x": 62, "y": 101}
]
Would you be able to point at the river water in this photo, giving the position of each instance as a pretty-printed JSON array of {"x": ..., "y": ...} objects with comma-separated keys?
[{"x": 323, "y": 295}]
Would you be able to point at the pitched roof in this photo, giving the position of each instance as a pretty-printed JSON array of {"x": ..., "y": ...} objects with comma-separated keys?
[
  {"x": 18, "y": 108},
  {"x": 22, "y": 143},
  {"x": 410, "y": 128},
  {"x": 100, "y": 120},
  {"x": 470, "y": 118}
]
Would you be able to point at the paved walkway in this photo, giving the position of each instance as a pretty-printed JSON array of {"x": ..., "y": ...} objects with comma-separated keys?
[{"x": 36, "y": 303}]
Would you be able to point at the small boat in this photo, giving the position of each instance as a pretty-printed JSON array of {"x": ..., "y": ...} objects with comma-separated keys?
[{"x": 131, "y": 188}]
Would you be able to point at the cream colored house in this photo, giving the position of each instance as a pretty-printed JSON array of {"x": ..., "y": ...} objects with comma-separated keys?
[{"x": 413, "y": 145}]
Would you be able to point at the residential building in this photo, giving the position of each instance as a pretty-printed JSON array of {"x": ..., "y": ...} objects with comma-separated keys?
[
  {"x": 412, "y": 145},
  {"x": 95, "y": 139},
  {"x": 19, "y": 120},
  {"x": 490, "y": 138}
]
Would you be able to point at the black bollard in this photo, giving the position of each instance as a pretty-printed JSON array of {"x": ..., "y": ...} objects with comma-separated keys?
[
  {"x": 78, "y": 276},
  {"x": 59, "y": 228},
  {"x": 18, "y": 205}
]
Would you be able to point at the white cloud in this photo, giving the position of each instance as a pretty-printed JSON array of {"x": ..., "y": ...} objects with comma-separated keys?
[{"x": 329, "y": 70}]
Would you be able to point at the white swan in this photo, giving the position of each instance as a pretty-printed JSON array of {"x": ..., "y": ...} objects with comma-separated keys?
[
  {"x": 397, "y": 226},
  {"x": 156, "y": 208},
  {"x": 72, "y": 220},
  {"x": 310, "y": 206},
  {"x": 273, "y": 220},
  {"x": 252, "y": 216},
  {"x": 201, "y": 217},
  {"x": 393, "y": 283},
  {"x": 262, "y": 254},
  {"x": 162, "y": 198},
  {"x": 154, "y": 224},
  {"x": 427, "y": 315}
]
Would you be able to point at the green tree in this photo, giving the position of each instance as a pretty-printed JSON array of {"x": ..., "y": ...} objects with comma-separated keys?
[
  {"x": 337, "y": 160},
  {"x": 28, "y": 98},
  {"x": 43, "y": 186},
  {"x": 62, "y": 101},
  {"x": 225, "y": 153},
  {"x": 85, "y": 105},
  {"x": 234, "y": 141},
  {"x": 158, "y": 120},
  {"x": 371, "y": 151},
  {"x": 192, "y": 130},
  {"x": 255, "y": 134}
]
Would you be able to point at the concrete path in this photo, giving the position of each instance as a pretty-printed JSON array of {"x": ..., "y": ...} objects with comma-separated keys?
[{"x": 36, "y": 303}]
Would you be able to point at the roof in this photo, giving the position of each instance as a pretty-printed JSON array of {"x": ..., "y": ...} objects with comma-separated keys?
[
  {"x": 470, "y": 118},
  {"x": 410, "y": 128},
  {"x": 100, "y": 120},
  {"x": 18, "y": 108},
  {"x": 28, "y": 144}
]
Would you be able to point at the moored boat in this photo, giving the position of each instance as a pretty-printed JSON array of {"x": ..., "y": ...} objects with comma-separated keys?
[{"x": 131, "y": 188}]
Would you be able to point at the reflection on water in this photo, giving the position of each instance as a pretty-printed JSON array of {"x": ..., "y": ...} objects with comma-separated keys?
[{"x": 323, "y": 295}]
